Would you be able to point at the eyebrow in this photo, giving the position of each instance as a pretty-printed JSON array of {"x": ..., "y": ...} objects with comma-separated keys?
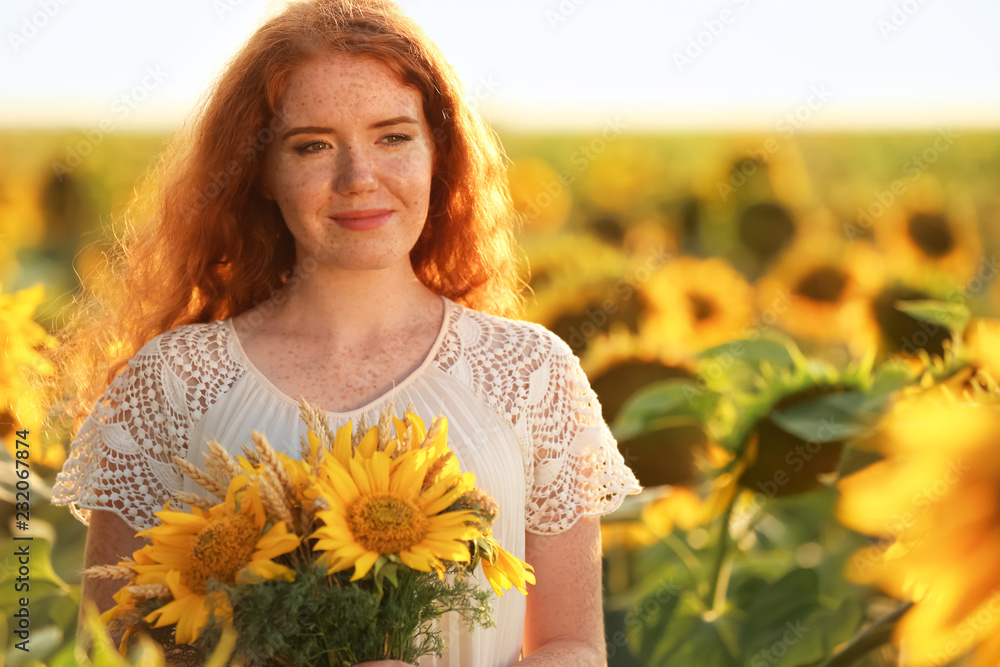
[{"x": 398, "y": 120}]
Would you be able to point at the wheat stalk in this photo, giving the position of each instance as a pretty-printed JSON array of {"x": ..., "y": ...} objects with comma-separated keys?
[
  {"x": 145, "y": 591},
  {"x": 201, "y": 479},
  {"x": 317, "y": 422},
  {"x": 193, "y": 499},
  {"x": 109, "y": 572},
  {"x": 273, "y": 465}
]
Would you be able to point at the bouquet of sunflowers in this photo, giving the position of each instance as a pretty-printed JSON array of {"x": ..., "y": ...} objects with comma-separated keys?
[{"x": 346, "y": 555}]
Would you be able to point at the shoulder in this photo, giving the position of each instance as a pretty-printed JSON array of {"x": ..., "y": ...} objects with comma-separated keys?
[
  {"x": 190, "y": 351},
  {"x": 514, "y": 341}
]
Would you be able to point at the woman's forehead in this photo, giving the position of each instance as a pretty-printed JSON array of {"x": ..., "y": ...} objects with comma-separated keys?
[{"x": 348, "y": 87}]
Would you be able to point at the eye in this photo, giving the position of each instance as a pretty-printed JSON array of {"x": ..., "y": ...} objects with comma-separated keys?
[
  {"x": 311, "y": 147},
  {"x": 395, "y": 139}
]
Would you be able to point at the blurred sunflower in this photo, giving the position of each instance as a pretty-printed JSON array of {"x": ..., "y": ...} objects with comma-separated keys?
[
  {"x": 22, "y": 404},
  {"x": 566, "y": 255},
  {"x": 229, "y": 543},
  {"x": 697, "y": 303},
  {"x": 923, "y": 232},
  {"x": 902, "y": 333},
  {"x": 540, "y": 195},
  {"x": 624, "y": 174},
  {"x": 788, "y": 433},
  {"x": 578, "y": 307},
  {"x": 764, "y": 229},
  {"x": 819, "y": 290},
  {"x": 378, "y": 507},
  {"x": 621, "y": 363},
  {"x": 937, "y": 496}
]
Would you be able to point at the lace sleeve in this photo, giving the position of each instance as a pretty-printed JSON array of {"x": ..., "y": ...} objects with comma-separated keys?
[
  {"x": 577, "y": 468},
  {"x": 122, "y": 457}
]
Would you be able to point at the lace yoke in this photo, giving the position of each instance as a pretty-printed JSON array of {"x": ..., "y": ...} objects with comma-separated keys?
[{"x": 121, "y": 459}]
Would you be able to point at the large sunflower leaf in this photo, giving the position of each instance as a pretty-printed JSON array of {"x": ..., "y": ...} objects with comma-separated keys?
[
  {"x": 827, "y": 419},
  {"x": 753, "y": 353},
  {"x": 674, "y": 632},
  {"x": 776, "y": 622},
  {"x": 677, "y": 400},
  {"x": 954, "y": 316}
]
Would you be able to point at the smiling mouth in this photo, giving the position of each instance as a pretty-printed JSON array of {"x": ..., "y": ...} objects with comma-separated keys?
[{"x": 362, "y": 220}]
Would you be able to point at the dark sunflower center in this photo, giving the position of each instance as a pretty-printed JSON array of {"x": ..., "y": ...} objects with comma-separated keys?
[
  {"x": 702, "y": 307},
  {"x": 932, "y": 233},
  {"x": 222, "y": 548},
  {"x": 385, "y": 524},
  {"x": 826, "y": 283}
]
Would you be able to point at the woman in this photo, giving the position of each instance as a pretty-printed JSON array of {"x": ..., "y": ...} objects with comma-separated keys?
[{"x": 336, "y": 227}]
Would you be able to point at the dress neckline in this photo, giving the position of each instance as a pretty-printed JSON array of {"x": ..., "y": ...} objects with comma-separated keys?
[{"x": 381, "y": 398}]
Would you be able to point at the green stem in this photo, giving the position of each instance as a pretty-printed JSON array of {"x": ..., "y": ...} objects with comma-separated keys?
[
  {"x": 720, "y": 574},
  {"x": 869, "y": 639},
  {"x": 684, "y": 553}
]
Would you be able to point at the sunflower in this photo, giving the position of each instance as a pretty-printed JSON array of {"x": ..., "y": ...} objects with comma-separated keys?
[
  {"x": 620, "y": 362},
  {"x": 624, "y": 175},
  {"x": 902, "y": 333},
  {"x": 819, "y": 290},
  {"x": 540, "y": 195},
  {"x": 229, "y": 543},
  {"x": 21, "y": 399},
  {"x": 925, "y": 231},
  {"x": 579, "y": 256},
  {"x": 934, "y": 498},
  {"x": 380, "y": 506},
  {"x": 502, "y": 569},
  {"x": 698, "y": 303}
]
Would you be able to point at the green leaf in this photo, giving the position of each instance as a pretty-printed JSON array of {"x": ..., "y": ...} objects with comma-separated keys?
[
  {"x": 827, "y": 419},
  {"x": 954, "y": 316},
  {"x": 676, "y": 400},
  {"x": 775, "y": 352},
  {"x": 672, "y": 630},
  {"x": 891, "y": 376},
  {"x": 775, "y": 621}
]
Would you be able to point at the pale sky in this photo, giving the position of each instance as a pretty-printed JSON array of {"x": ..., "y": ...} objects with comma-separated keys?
[{"x": 548, "y": 64}]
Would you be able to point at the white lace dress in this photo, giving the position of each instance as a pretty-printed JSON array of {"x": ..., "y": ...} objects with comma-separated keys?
[{"x": 521, "y": 416}]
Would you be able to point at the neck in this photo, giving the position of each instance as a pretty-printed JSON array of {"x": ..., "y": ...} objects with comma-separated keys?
[{"x": 346, "y": 305}]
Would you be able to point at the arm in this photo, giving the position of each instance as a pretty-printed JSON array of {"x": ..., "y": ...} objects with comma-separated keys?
[
  {"x": 564, "y": 624},
  {"x": 109, "y": 540}
]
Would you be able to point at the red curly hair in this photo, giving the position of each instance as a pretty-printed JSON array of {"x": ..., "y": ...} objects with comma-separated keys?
[{"x": 211, "y": 246}]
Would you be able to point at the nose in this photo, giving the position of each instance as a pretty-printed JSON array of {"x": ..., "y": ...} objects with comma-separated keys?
[{"x": 355, "y": 172}]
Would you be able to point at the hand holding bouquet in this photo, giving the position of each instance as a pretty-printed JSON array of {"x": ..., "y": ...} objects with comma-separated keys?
[{"x": 345, "y": 556}]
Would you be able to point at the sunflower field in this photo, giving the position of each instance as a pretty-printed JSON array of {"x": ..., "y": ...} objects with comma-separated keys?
[{"x": 795, "y": 340}]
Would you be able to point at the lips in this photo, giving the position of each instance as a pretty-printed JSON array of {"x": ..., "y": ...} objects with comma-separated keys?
[{"x": 362, "y": 219}]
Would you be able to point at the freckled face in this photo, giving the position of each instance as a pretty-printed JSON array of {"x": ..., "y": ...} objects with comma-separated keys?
[{"x": 351, "y": 172}]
